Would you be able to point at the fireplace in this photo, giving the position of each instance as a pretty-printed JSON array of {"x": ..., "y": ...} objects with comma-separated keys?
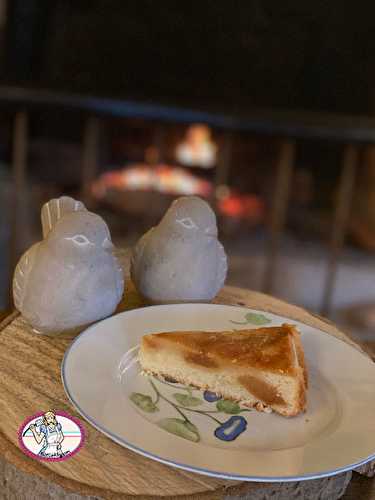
[
  {"x": 130, "y": 165},
  {"x": 190, "y": 169}
]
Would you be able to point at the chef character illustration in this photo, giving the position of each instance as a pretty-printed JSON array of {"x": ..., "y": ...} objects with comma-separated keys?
[{"x": 47, "y": 430}]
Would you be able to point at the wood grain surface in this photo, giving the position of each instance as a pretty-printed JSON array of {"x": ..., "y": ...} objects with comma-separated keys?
[
  {"x": 4, "y": 314},
  {"x": 30, "y": 382}
]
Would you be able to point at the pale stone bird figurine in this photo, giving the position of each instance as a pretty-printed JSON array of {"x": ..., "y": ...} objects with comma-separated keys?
[
  {"x": 181, "y": 259},
  {"x": 71, "y": 278}
]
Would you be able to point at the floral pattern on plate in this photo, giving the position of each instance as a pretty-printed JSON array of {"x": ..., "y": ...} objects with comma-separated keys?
[{"x": 187, "y": 403}]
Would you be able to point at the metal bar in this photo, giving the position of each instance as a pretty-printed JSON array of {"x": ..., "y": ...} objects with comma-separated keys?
[
  {"x": 308, "y": 125},
  {"x": 89, "y": 158},
  {"x": 279, "y": 210},
  {"x": 159, "y": 140},
  {"x": 340, "y": 222},
  {"x": 223, "y": 166},
  {"x": 19, "y": 165}
]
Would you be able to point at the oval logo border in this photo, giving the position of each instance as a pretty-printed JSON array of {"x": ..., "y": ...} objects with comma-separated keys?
[{"x": 29, "y": 453}]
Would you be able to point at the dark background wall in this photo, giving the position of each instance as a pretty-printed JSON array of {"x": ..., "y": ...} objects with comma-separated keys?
[{"x": 224, "y": 54}]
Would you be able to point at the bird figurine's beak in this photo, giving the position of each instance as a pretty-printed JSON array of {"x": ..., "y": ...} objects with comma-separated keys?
[{"x": 107, "y": 244}]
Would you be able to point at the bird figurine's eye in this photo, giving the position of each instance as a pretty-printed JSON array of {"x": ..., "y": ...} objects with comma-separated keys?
[
  {"x": 187, "y": 222},
  {"x": 80, "y": 240}
]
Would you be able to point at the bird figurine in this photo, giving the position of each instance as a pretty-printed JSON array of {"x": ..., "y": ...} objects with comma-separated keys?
[
  {"x": 71, "y": 278},
  {"x": 181, "y": 259}
]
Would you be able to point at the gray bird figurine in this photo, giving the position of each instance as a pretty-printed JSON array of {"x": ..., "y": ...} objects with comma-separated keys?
[
  {"x": 181, "y": 259},
  {"x": 71, "y": 278}
]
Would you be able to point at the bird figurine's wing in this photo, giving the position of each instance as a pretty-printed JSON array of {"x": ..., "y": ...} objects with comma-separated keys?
[
  {"x": 137, "y": 253},
  {"x": 22, "y": 274},
  {"x": 120, "y": 271},
  {"x": 222, "y": 265},
  {"x": 56, "y": 208}
]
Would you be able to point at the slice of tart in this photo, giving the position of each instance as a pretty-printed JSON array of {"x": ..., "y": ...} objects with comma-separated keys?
[{"x": 262, "y": 368}]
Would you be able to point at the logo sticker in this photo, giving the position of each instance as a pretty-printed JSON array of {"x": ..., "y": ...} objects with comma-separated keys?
[{"x": 51, "y": 436}]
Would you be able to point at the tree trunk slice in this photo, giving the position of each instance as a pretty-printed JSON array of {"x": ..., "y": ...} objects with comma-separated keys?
[{"x": 30, "y": 382}]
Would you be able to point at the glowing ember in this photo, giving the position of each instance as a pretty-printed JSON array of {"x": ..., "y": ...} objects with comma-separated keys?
[
  {"x": 242, "y": 206},
  {"x": 161, "y": 178},
  {"x": 177, "y": 181}
]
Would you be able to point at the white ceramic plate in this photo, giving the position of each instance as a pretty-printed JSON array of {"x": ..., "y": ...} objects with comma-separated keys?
[{"x": 178, "y": 426}]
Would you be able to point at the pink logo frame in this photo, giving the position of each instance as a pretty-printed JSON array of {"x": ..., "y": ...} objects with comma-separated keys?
[{"x": 51, "y": 459}]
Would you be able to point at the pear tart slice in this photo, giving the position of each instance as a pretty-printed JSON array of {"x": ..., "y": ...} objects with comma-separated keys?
[{"x": 262, "y": 368}]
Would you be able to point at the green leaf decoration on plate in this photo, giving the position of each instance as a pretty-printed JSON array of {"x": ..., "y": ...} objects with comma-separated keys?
[
  {"x": 187, "y": 400},
  {"x": 257, "y": 319},
  {"x": 227, "y": 406},
  {"x": 254, "y": 319},
  {"x": 144, "y": 402},
  {"x": 180, "y": 428}
]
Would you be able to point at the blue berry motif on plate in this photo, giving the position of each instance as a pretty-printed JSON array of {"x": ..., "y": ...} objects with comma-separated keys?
[
  {"x": 231, "y": 429},
  {"x": 211, "y": 397}
]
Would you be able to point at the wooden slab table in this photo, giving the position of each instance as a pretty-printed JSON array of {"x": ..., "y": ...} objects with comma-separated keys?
[{"x": 30, "y": 382}]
